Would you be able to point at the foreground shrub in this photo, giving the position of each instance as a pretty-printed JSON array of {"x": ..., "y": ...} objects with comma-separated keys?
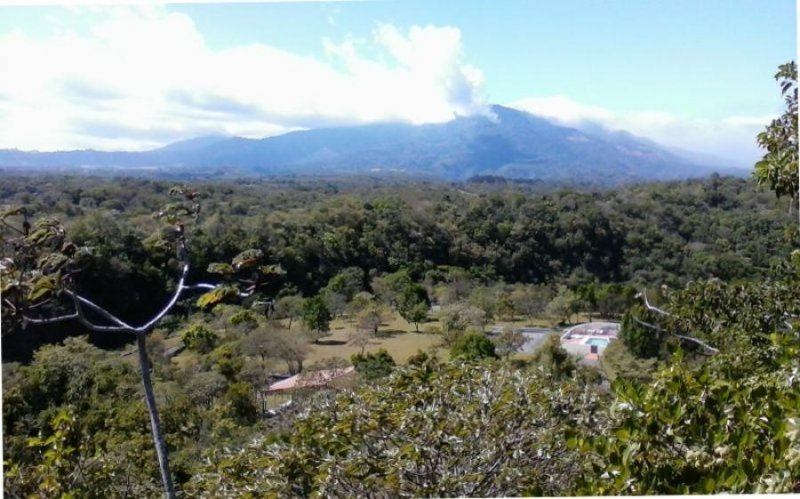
[{"x": 430, "y": 430}]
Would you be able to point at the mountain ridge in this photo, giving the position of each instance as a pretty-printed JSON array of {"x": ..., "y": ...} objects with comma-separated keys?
[{"x": 509, "y": 143}]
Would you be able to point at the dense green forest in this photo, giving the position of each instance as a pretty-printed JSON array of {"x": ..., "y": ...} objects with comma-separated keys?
[
  {"x": 643, "y": 235},
  {"x": 596, "y": 243},
  {"x": 74, "y": 421},
  {"x": 224, "y": 288}
]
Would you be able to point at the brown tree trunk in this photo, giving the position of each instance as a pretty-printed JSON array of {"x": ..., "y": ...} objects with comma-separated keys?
[{"x": 155, "y": 424}]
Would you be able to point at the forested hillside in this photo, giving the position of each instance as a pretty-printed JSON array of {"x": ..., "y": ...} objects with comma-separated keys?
[
  {"x": 666, "y": 233},
  {"x": 362, "y": 251},
  {"x": 642, "y": 235}
]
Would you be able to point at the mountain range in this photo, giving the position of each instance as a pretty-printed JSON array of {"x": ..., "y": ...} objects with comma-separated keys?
[{"x": 507, "y": 143}]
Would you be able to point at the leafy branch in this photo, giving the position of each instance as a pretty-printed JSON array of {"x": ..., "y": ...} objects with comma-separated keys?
[
  {"x": 40, "y": 278},
  {"x": 708, "y": 349}
]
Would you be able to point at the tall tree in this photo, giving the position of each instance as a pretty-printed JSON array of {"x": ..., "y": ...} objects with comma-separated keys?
[
  {"x": 289, "y": 307},
  {"x": 530, "y": 300},
  {"x": 562, "y": 305},
  {"x": 370, "y": 319},
  {"x": 473, "y": 346},
  {"x": 317, "y": 317},
  {"x": 778, "y": 169},
  {"x": 414, "y": 304},
  {"x": 509, "y": 341}
]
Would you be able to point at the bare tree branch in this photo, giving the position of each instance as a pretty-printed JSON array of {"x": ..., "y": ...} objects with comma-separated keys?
[
  {"x": 201, "y": 285},
  {"x": 178, "y": 290},
  {"x": 155, "y": 423},
  {"x": 695, "y": 340},
  {"x": 683, "y": 337},
  {"x": 39, "y": 304},
  {"x": 78, "y": 299},
  {"x": 120, "y": 325},
  {"x": 115, "y": 324},
  {"x": 204, "y": 285},
  {"x": 643, "y": 294},
  {"x": 50, "y": 320},
  {"x": 96, "y": 327}
]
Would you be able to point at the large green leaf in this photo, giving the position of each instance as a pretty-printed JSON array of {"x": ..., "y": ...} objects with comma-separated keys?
[
  {"x": 46, "y": 232},
  {"x": 52, "y": 262},
  {"x": 10, "y": 211},
  {"x": 173, "y": 212},
  {"x": 215, "y": 296},
  {"x": 220, "y": 268},
  {"x": 273, "y": 269},
  {"x": 42, "y": 286},
  {"x": 247, "y": 258}
]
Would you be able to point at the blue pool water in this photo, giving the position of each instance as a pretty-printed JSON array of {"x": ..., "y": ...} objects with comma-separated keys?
[{"x": 600, "y": 342}]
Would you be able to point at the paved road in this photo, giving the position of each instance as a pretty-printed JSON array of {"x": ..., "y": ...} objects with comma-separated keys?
[
  {"x": 534, "y": 339},
  {"x": 535, "y": 336}
]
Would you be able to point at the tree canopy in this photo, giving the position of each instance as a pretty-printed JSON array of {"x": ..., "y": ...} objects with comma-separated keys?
[{"x": 778, "y": 169}]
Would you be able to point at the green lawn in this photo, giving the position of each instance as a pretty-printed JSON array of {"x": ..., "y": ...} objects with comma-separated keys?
[
  {"x": 396, "y": 336},
  {"x": 399, "y": 338}
]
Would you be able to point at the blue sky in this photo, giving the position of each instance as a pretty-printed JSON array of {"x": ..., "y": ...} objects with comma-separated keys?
[{"x": 692, "y": 74}]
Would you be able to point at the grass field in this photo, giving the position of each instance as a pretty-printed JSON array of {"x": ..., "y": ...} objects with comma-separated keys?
[
  {"x": 399, "y": 338},
  {"x": 396, "y": 336}
]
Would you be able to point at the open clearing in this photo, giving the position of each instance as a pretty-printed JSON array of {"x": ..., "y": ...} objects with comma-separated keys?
[{"x": 396, "y": 336}]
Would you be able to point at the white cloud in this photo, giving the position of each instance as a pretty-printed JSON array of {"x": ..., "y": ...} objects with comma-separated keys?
[
  {"x": 732, "y": 138},
  {"x": 748, "y": 121},
  {"x": 563, "y": 109},
  {"x": 143, "y": 77}
]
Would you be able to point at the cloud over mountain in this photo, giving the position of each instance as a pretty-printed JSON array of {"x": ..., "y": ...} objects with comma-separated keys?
[
  {"x": 732, "y": 138},
  {"x": 138, "y": 78}
]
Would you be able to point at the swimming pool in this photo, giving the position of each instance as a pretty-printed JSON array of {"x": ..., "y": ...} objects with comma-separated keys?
[{"x": 600, "y": 342}]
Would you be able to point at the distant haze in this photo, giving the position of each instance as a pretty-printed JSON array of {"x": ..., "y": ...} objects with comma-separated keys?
[{"x": 504, "y": 142}]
